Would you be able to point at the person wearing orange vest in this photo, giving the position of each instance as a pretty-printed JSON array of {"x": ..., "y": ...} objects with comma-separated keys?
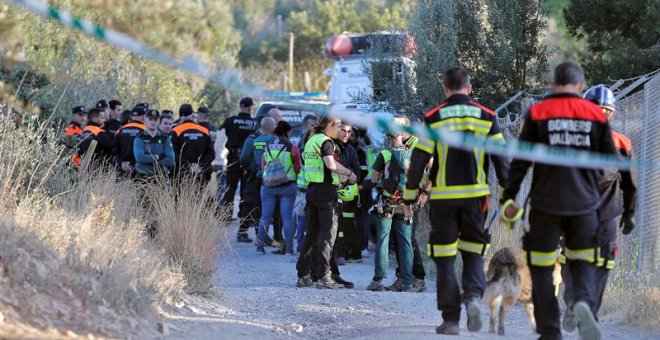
[
  {"x": 73, "y": 131},
  {"x": 193, "y": 147},
  {"x": 122, "y": 146},
  {"x": 94, "y": 132}
]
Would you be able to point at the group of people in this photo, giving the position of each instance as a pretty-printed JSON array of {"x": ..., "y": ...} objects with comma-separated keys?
[
  {"x": 317, "y": 194},
  {"x": 143, "y": 142}
]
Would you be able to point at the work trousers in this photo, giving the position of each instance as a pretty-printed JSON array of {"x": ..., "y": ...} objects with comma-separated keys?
[
  {"x": 320, "y": 233},
  {"x": 457, "y": 228},
  {"x": 540, "y": 245}
]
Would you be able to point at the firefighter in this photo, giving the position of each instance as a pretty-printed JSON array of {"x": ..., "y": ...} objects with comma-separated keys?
[
  {"x": 94, "y": 132},
  {"x": 193, "y": 148},
  {"x": 237, "y": 129},
  {"x": 458, "y": 199},
  {"x": 563, "y": 200},
  {"x": 73, "y": 131},
  {"x": 322, "y": 171},
  {"x": 122, "y": 146},
  {"x": 618, "y": 197}
]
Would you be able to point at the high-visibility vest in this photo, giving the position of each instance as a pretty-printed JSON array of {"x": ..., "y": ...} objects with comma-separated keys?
[
  {"x": 302, "y": 181},
  {"x": 279, "y": 149},
  {"x": 371, "y": 155},
  {"x": 314, "y": 165}
]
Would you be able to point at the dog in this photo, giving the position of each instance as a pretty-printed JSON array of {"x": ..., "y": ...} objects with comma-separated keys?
[{"x": 509, "y": 280}]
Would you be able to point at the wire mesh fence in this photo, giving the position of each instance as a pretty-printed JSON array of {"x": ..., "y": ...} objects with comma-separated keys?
[{"x": 638, "y": 117}]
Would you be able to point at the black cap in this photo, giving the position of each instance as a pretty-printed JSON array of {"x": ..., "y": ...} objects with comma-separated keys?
[
  {"x": 185, "y": 110},
  {"x": 153, "y": 113},
  {"x": 247, "y": 102},
  {"x": 203, "y": 110},
  {"x": 78, "y": 110},
  {"x": 139, "y": 110},
  {"x": 102, "y": 104}
]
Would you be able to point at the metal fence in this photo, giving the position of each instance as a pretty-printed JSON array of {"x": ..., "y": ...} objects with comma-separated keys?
[{"x": 638, "y": 117}]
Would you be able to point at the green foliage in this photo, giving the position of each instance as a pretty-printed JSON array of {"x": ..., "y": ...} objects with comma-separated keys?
[
  {"x": 497, "y": 41},
  {"x": 623, "y": 36}
]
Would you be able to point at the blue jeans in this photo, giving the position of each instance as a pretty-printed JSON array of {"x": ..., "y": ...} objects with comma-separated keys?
[
  {"x": 285, "y": 195},
  {"x": 403, "y": 232},
  {"x": 300, "y": 231}
]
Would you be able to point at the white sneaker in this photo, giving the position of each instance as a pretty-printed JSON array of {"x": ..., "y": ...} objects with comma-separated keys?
[{"x": 365, "y": 254}]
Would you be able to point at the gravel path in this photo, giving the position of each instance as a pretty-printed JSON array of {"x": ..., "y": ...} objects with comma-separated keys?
[{"x": 258, "y": 299}]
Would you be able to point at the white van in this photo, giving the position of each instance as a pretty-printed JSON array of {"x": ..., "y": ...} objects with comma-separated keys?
[{"x": 350, "y": 81}]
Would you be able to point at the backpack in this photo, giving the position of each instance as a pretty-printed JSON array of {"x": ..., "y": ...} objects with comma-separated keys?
[
  {"x": 275, "y": 173},
  {"x": 394, "y": 175}
]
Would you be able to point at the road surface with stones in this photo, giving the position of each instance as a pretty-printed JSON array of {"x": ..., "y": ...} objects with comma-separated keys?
[{"x": 258, "y": 299}]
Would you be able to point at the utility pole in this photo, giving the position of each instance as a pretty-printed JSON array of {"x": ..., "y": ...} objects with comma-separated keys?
[
  {"x": 291, "y": 37},
  {"x": 279, "y": 26}
]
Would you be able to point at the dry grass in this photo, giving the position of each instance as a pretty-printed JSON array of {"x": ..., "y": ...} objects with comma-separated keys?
[
  {"x": 636, "y": 304},
  {"x": 74, "y": 255},
  {"x": 191, "y": 229}
]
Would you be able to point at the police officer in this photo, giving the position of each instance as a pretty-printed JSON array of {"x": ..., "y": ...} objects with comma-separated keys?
[
  {"x": 322, "y": 172},
  {"x": 203, "y": 115},
  {"x": 193, "y": 148},
  {"x": 153, "y": 150},
  {"x": 94, "y": 132},
  {"x": 123, "y": 142},
  {"x": 114, "y": 110},
  {"x": 73, "y": 131},
  {"x": 563, "y": 200},
  {"x": 458, "y": 199},
  {"x": 75, "y": 127},
  {"x": 618, "y": 195},
  {"x": 237, "y": 129}
]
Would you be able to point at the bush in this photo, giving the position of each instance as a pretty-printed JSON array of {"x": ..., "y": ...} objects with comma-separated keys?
[{"x": 73, "y": 243}]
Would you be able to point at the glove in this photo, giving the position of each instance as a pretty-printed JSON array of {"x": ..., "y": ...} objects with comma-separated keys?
[
  {"x": 627, "y": 224},
  {"x": 510, "y": 213}
]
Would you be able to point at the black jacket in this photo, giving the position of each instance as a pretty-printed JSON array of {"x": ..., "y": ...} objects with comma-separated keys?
[
  {"x": 348, "y": 158},
  {"x": 563, "y": 120},
  {"x": 238, "y": 128},
  {"x": 112, "y": 126},
  {"x": 103, "y": 149},
  {"x": 618, "y": 190},
  {"x": 122, "y": 145},
  {"x": 459, "y": 177},
  {"x": 192, "y": 144}
]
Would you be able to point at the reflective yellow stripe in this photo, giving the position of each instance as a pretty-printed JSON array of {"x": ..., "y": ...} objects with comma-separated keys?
[
  {"x": 582, "y": 254},
  {"x": 609, "y": 264},
  {"x": 473, "y": 247},
  {"x": 441, "y": 181},
  {"x": 341, "y": 234},
  {"x": 600, "y": 261},
  {"x": 442, "y": 250},
  {"x": 409, "y": 194},
  {"x": 460, "y": 191},
  {"x": 562, "y": 258},
  {"x": 348, "y": 214},
  {"x": 497, "y": 138},
  {"x": 425, "y": 145},
  {"x": 540, "y": 258},
  {"x": 464, "y": 124}
]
